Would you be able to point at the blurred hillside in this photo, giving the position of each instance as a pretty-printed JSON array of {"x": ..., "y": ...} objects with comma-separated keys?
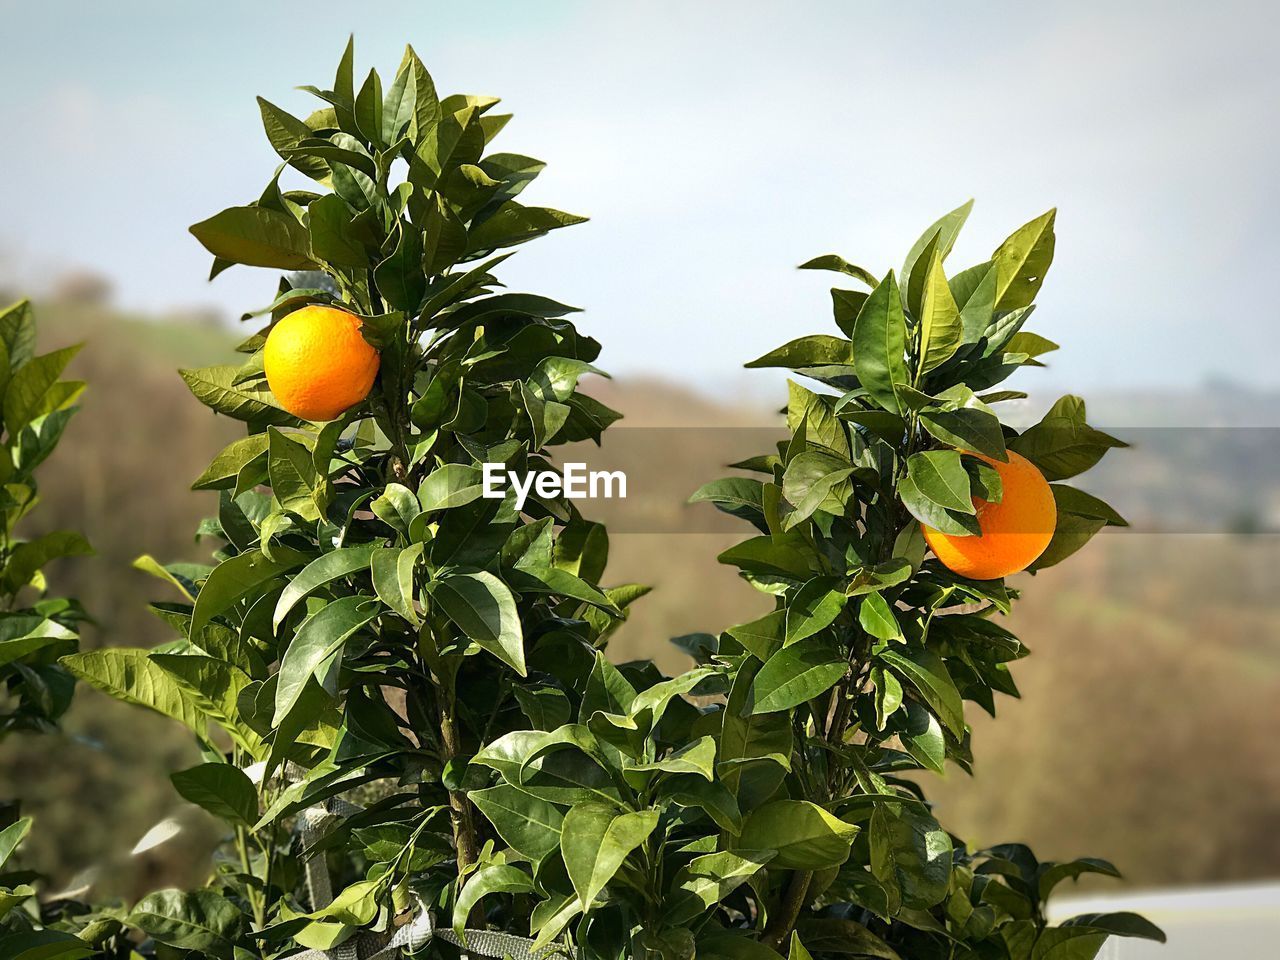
[{"x": 1146, "y": 730}]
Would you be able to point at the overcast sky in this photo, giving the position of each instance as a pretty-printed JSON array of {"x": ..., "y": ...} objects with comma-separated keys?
[{"x": 715, "y": 145}]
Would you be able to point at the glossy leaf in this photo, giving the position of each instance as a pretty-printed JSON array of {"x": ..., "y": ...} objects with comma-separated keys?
[
  {"x": 879, "y": 344},
  {"x": 595, "y": 840},
  {"x": 796, "y": 674},
  {"x": 221, "y": 789},
  {"x": 484, "y": 610},
  {"x": 320, "y": 637},
  {"x": 805, "y": 836}
]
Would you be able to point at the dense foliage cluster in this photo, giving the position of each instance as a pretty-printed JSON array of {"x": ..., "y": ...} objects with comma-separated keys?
[
  {"x": 35, "y": 690},
  {"x": 373, "y": 629}
]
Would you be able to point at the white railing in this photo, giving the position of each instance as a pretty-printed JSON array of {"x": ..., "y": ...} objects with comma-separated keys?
[{"x": 1239, "y": 922}]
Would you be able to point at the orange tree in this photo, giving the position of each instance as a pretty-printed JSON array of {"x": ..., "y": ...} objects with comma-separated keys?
[
  {"x": 885, "y": 525},
  {"x": 370, "y": 619},
  {"x": 374, "y": 628}
]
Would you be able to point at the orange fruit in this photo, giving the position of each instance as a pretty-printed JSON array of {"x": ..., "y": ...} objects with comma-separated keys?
[
  {"x": 318, "y": 366},
  {"x": 1014, "y": 531}
]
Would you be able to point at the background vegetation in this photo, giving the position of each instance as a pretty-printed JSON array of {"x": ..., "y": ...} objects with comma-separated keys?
[{"x": 1157, "y": 654}]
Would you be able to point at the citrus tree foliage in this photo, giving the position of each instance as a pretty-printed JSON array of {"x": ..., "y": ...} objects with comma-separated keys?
[
  {"x": 856, "y": 681},
  {"x": 35, "y": 690},
  {"x": 370, "y": 620},
  {"x": 374, "y": 628}
]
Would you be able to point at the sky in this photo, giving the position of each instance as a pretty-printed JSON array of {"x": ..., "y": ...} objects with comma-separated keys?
[{"x": 715, "y": 146}]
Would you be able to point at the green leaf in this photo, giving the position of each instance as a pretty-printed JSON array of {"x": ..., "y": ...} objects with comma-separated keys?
[
  {"x": 326, "y": 568},
  {"x": 595, "y": 841},
  {"x": 881, "y": 576},
  {"x": 785, "y": 555},
  {"x": 818, "y": 350},
  {"x": 18, "y": 334},
  {"x": 221, "y": 474},
  {"x": 927, "y": 672},
  {"x": 286, "y": 132},
  {"x": 845, "y": 305},
  {"x": 724, "y": 945},
  {"x": 737, "y": 496},
  {"x": 1022, "y": 261},
  {"x": 817, "y": 413},
  {"x": 11, "y": 836},
  {"x": 942, "y": 236},
  {"x": 397, "y": 106},
  {"x": 712, "y": 797},
  {"x": 320, "y": 637},
  {"x": 940, "y": 328},
  {"x": 485, "y": 611},
  {"x": 910, "y": 856},
  {"x": 1120, "y": 924},
  {"x": 25, "y": 398},
  {"x": 876, "y": 616},
  {"x": 762, "y": 637},
  {"x": 11, "y": 897},
  {"x": 295, "y": 482},
  {"x": 698, "y": 758},
  {"x": 129, "y": 675},
  {"x": 400, "y": 276},
  {"x": 805, "y": 836},
  {"x": 975, "y": 292},
  {"x": 1062, "y": 444},
  {"x": 839, "y": 264},
  {"x": 236, "y": 578},
  {"x": 356, "y": 905},
  {"x": 526, "y": 823},
  {"x": 220, "y": 788},
  {"x": 215, "y": 686},
  {"x": 755, "y": 749},
  {"x": 392, "y": 569},
  {"x": 940, "y": 476},
  {"x": 515, "y": 223},
  {"x": 837, "y": 935},
  {"x": 397, "y": 507},
  {"x": 257, "y": 237},
  {"x": 368, "y": 109},
  {"x": 490, "y": 879},
  {"x": 960, "y": 419},
  {"x": 426, "y": 110},
  {"x": 25, "y": 559},
  {"x": 798, "y": 951},
  {"x": 1081, "y": 504},
  {"x": 922, "y": 735},
  {"x": 924, "y": 509},
  {"x": 44, "y": 945},
  {"x": 709, "y": 879},
  {"x": 333, "y": 237},
  {"x": 217, "y": 389},
  {"x": 796, "y": 674},
  {"x": 1032, "y": 344},
  {"x": 879, "y": 344},
  {"x": 1052, "y": 874},
  {"x": 810, "y": 483},
  {"x": 888, "y": 695},
  {"x": 814, "y": 607},
  {"x": 451, "y": 485},
  {"x": 21, "y": 636},
  {"x": 201, "y": 920}
]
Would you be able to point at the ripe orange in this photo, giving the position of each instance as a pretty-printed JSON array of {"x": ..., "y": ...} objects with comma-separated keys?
[
  {"x": 1014, "y": 531},
  {"x": 317, "y": 364}
]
